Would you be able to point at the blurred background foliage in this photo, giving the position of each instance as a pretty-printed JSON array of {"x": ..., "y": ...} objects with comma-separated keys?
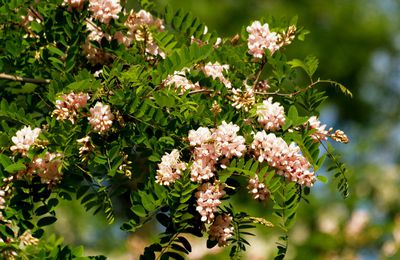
[{"x": 358, "y": 44}]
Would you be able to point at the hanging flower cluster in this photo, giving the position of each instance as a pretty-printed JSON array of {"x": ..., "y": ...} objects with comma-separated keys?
[
  {"x": 215, "y": 70},
  {"x": 180, "y": 82},
  {"x": 24, "y": 138},
  {"x": 271, "y": 115},
  {"x": 68, "y": 104},
  {"x": 170, "y": 168},
  {"x": 320, "y": 133},
  {"x": 211, "y": 145},
  {"x": 208, "y": 199},
  {"x": 221, "y": 229},
  {"x": 100, "y": 117},
  {"x": 105, "y": 10},
  {"x": 286, "y": 159},
  {"x": 257, "y": 189},
  {"x": 261, "y": 38}
]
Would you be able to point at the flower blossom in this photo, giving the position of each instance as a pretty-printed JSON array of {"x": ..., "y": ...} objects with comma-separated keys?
[
  {"x": 67, "y": 106},
  {"x": 47, "y": 168},
  {"x": 138, "y": 30},
  {"x": 340, "y": 136},
  {"x": 320, "y": 133},
  {"x": 179, "y": 80},
  {"x": 24, "y": 138},
  {"x": 101, "y": 117},
  {"x": 208, "y": 199},
  {"x": 86, "y": 145},
  {"x": 211, "y": 145},
  {"x": 257, "y": 189},
  {"x": 215, "y": 70},
  {"x": 286, "y": 159},
  {"x": 221, "y": 229},
  {"x": 105, "y": 10},
  {"x": 261, "y": 38},
  {"x": 271, "y": 115},
  {"x": 244, "y": 99},
  {"x": 2, "y": 199},
  {"x": 170, "y": 168},
  {"x": 77, "y": 4}
]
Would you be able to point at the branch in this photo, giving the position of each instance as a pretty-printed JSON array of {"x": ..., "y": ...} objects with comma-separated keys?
[{"x": 21, "y": 79}]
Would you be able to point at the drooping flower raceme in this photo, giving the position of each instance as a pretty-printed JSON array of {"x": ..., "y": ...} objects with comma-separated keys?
[
  {"x": 215, "y": 70},
  {"x": 105, "y": 10},
  {"x": 208, "y": 199},
  {"x": 100, "y": 117},
  {"x": 210, "y": 145},
  {"x": 271, "y": 115},
  {"x": 47, "y": 168},
  {"x": 261, "y": 38},
  {"x": 320, "y": 133},
  {"x": 24, "y": 138},
  {"x": 67, "y": 106},
  {"x": 286, "y": 159},
  {"x": 170, "y": 168},
  {"x": 221, "y": 229},
  {"x": 181, "y": 83},
  {"x": 257, "y": 189}
]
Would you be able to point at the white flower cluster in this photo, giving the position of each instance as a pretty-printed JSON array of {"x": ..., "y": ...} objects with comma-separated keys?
[
  {"x": 215, "y": 70},
  {"x": 261, "y": 38},
  {"x": 101, "y": 117},
  {"x": 180, "y": 82},
  {"x": 67, "y": 106},
  {"x": 47, "y": 168},
  {"x": 320, "y": 134},
  {"x": 286, "y": 159},
  {"x": 257, "y": 189},
  {"x": 105, "y": 10},
  {"x": 271, "y": 115},
  {"x": 221, "y": 229},
  {"x": 24, "y": 138},
  {"x": 211, "y": 145},
  {"x": 170, "y": 168},
  {"x": 208, "y": 199}
]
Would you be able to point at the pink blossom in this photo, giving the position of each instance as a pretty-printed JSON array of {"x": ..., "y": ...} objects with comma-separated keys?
[
  {"x": 208, "y": 199},
  {"x": 101, "y": 117},
  {"x": 105, "y": 10},
  {"x": 170, "y": 168},
  {"x": 24, "y": 138},
  {"x": 221, "y": 229},
  {"x": 320, "y": 133},
  {"x": 68, "y": 104},
  {"x": 86, "y": 145},
  {"x": 199, "y": 136},
  {"x": 180, "y": 82},
  {"x": 286, "y": 159},
  {"x": 257, "y": 189},
  {"x": 271, "y": 115},
  {"x": 215, "y": 70},
  {"x": 48, "y": 168},
  {"x": 227, "y": 141},
  {"x": 261, "y": 38}
]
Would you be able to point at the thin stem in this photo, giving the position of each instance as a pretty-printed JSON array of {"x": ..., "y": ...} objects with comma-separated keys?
[{"x": 22, "y": 79}]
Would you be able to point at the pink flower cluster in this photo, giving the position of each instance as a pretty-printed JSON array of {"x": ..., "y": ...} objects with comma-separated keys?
[
  {"x": 170, "y": 168},
  {"x": 181, "y": 83},
  {"x": 24, "y": 138},
  {"x": 105, "y": 10},
  {"x": 93, "y": 54},
  {"x": 101, "y": 117},
  {"x": 67, "y": 106},
  {"x": 77, "y": 4},
  {"x": 47, "y": 168},
  {"x": 2, "y": 200},
  {"x": 86, "y": 145},
  {"x": 286, "y": 159},
  {"x": 215, "y": 70},
  {"x": 138, "y": 24},
  {"x": 257, "y": 189},
  {"x": 211, "y": 145},
  {"x": 208, "y": 199},
  {"x": 221, "y": 230},
  {"x": 261, "y": 38},
  {"x": 271, "y": 115},
  {"x": 320, "y": 134}
]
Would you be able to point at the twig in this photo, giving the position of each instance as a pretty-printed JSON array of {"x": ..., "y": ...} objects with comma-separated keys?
[
  {"x": 22, "y": 79},
  {"x": 296, "y": 92}
]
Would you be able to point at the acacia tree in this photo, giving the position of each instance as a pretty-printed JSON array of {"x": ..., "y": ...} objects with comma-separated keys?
[{"x": 100, "y": 102}]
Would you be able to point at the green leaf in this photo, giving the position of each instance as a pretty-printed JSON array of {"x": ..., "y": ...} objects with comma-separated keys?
[
  {"x": 323, "y": 179},
  {"x": 5, "y": 160},
  {"x": 15, "y": 167},
  {"x": 46, "y": 221}
]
